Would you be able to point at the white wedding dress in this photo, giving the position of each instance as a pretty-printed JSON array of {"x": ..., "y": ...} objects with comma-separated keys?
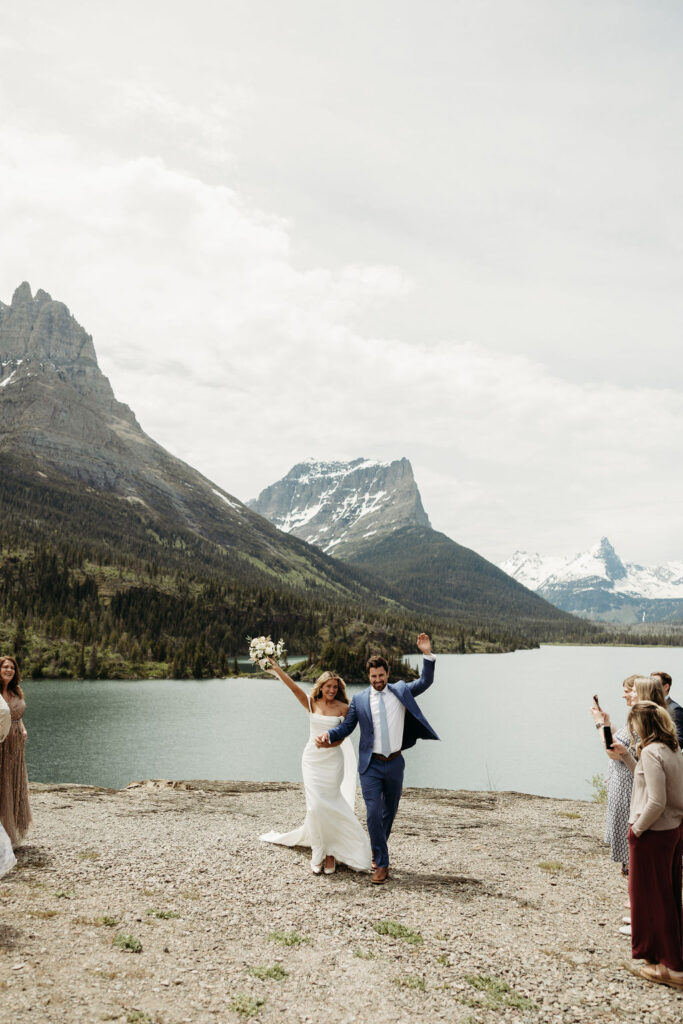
[
  {"x": 7, "y": 858},
  {"x": 331, "y": 827}
]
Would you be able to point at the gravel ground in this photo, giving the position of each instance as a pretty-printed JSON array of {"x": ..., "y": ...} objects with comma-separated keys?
[{"x": 500, "y": 907}]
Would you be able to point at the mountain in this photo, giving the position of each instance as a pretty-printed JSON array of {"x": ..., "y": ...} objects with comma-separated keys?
[
  {"x": 598, "y": 585},
  {"x": 339, "y": 505},
  {"x": 371, "y": 515},
  {"x": 70, "y": 450}
]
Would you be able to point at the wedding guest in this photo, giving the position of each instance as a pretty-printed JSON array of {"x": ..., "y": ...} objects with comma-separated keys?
[
  {"x": 650, "y": 688},
  {"x": 644, "y": 688},
  {"x": 15, "y": 809},
  {"x": 674, "y": 709},
  {"x": 7, "y": 858},
  {"x": 656, "y": 846},
  {"x": 619, "y": 782}
]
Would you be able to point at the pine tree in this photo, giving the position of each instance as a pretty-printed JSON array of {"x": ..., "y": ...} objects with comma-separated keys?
[
  {"x": 80, "y": 665},
  {"x": 92, "y": 663}
]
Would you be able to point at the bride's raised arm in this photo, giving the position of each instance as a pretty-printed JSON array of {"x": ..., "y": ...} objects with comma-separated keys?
[{"x": 300, "y": 694}]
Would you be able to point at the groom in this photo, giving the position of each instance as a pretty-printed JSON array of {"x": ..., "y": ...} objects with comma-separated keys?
[{"x": 390, "y": 721}]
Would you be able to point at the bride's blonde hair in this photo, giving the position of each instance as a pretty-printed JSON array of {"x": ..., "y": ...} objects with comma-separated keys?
[{"x": 320, "y": 682}]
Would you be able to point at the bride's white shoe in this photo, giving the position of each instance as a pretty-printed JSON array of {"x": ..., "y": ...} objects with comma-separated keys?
[
  {"x": 329, "y": 871},
  {"x": 316, "y": 868}
]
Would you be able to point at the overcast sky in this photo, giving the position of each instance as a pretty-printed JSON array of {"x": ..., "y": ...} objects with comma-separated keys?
[{"x": 450, "y": 231}]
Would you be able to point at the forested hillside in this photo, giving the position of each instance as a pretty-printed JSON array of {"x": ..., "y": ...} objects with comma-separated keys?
[{"x": 92, "y": 586}]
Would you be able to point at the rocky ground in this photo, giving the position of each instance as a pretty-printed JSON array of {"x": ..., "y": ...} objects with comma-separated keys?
[{"x": 158, "y": 905}]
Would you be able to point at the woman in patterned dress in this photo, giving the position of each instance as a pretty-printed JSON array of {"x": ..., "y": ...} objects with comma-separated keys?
[
  {"x": 15, "y": 809},
  {"x": 619, "y": 782}
]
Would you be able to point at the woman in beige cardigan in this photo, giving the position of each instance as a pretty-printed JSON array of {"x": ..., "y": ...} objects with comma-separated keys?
[{"x": 656, "y": 846}]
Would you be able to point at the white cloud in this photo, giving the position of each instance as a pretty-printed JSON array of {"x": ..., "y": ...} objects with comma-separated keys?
[{"x": 456, "y": 257}]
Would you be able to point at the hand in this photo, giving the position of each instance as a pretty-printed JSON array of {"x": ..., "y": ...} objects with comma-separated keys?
[
  {"x": 424, "y": 643},
  {"x": 617, "y": 751},
  {"x": 323, "y": 740},
  {"x": 600, "y": 717}
]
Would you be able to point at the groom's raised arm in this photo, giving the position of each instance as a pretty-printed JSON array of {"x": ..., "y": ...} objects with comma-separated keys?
[
  {"x": 427, "y": 677},
  {"x": 341, "y": 731}
]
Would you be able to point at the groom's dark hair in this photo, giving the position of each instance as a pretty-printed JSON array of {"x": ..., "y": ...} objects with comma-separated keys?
[{"x": 377, "y": 661}]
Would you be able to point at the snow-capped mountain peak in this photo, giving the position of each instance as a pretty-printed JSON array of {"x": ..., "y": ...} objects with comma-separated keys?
[
  {"x": 598, "y": 584},
  {"x": 338, "y": 505}
]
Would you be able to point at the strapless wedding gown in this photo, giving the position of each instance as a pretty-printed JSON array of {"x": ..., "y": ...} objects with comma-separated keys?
[{"x": 330, "y": 828}]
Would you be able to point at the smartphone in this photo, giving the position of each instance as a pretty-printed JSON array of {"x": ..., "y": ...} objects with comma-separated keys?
[{"x": 608, "y": 736}]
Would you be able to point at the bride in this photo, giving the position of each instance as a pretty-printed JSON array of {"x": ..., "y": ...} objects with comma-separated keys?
[{"x": 330, "y": 828}]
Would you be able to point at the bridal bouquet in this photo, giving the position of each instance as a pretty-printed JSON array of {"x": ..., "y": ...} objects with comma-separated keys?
[{"x": 262, "y": 647}]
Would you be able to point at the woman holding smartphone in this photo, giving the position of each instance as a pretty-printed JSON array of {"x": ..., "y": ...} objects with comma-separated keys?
[
  {"x": 656, "y": 846},
  {"x": 619, "y": 780}
]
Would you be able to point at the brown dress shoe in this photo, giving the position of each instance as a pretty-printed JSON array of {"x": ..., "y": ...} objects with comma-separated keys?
[{"x": 379, "y": 876}]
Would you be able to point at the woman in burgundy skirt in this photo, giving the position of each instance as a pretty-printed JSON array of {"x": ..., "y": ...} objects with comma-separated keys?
[{"x": 656, "y": 846}]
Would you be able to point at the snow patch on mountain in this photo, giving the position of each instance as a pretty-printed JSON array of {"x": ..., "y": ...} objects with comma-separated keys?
[{"x": 531, "y": 570}]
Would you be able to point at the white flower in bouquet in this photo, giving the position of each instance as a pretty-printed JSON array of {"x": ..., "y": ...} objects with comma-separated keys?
[{"x": 261, "y": 648}]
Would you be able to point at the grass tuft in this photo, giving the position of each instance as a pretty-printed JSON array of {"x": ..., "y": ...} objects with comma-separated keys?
[
  {"x": 127, "y": 942},
  {"x": 364, "y": 954},
  {"x": 398, "y": 931},
  {"x": 276, "y": 973},
  {"x": 496, "y": 993},
  {"x": 288, "y": 938},
  {"x": 163, "y": 915},
  {"x": 599, "y": 787},
  {"x": 246, "y": 1006},
  {"x": 415, "y": 981},
  {"x": 556, "y": 867}
]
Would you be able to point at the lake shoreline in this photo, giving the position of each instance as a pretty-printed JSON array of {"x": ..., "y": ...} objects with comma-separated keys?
[{"x": 508, "y": 905}]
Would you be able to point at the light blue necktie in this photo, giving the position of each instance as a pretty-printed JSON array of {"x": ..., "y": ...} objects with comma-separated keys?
[{"x": 383, "y": 725}]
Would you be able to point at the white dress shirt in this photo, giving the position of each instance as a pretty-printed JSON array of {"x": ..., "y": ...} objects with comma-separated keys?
[{"x": 396, "y": 716}]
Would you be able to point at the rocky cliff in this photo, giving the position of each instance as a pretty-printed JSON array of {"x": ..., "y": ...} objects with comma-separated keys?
[
  {"x": 339, "y": 506},
  {"x": 60, "y": 424}
]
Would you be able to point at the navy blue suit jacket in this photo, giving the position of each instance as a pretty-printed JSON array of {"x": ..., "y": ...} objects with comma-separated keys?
[
  {"x": 416, "y": 726},
  {"x": 676, "y": 712}
]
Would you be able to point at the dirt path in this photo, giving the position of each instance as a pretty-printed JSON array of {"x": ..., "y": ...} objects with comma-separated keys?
[{"x": 501, "y": 907}]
